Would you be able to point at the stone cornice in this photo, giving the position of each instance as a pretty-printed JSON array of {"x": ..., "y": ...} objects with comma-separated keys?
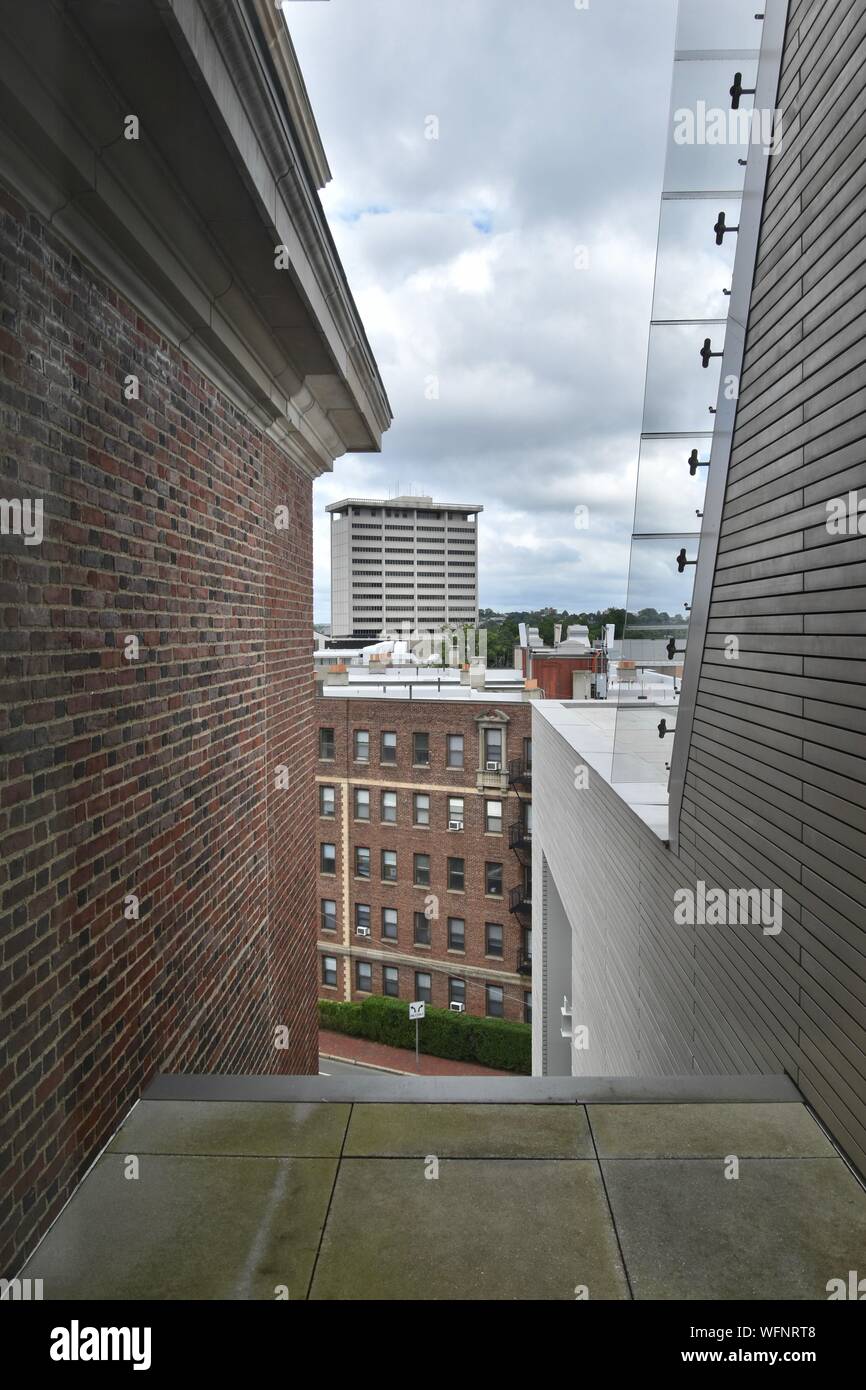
[
  {"x": 241, "y": 39},
  {"x": 284, "y": 58},
  {"x": 125, "y": 209}
]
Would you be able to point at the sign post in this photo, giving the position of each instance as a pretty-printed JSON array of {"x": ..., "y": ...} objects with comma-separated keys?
[{"x": 416, "y": 1011}]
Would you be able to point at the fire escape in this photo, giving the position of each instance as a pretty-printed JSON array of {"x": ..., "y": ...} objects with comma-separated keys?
[{"x": 520, "y": 841}]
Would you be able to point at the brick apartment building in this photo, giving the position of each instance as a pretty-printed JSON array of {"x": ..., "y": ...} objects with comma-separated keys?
[
  {"x": 424, "y": 841},
  {"x": 168, "y": 392}
]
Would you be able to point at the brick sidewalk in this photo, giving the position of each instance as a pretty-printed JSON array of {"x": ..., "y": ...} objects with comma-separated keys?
[{"x": 372, "y": 1054}]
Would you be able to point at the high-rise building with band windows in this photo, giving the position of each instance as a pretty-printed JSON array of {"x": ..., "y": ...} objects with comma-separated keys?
[{"x": 402, "y": 564}]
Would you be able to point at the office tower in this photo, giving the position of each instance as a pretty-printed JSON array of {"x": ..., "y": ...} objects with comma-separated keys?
[{"x": 402, "y": 564}]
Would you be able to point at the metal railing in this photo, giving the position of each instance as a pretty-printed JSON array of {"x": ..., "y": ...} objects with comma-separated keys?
[
  {"x": 520, "y": 903},
  {"x": 520, "y": 771}
]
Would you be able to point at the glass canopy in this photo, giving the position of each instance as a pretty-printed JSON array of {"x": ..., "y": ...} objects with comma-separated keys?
[{"x": 710, "y": 132}]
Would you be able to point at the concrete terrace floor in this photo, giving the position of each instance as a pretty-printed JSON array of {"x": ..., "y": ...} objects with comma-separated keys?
[{"x": 326, "y": 1188}]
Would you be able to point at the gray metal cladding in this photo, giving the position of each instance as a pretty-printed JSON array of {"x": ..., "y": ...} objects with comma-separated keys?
[
  {"x": 776, "y": 774},
  {"x": 774, "y": 791}
]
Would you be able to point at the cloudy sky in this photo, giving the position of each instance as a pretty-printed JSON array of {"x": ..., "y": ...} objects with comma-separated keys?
[{"x": 463, "y": 252}]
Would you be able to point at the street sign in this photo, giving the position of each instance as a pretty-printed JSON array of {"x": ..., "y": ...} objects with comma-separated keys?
[{"x": 416, "y": 1011}]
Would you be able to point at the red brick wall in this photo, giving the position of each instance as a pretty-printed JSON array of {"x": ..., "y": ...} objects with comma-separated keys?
[
  {"x": 152, "y": 777},
  {"x": 555, "y": 673},
  {"x": 473, "y": 844}
]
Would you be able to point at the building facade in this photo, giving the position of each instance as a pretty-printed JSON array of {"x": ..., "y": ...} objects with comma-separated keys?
[
  {"x": 725, "y": 931},
  {"x": 181, "y": 357},
  {"x": 402, "y": 564},
  {"x": 424, "y": 846}
]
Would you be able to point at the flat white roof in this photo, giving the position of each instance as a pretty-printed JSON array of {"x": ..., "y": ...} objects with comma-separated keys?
[
  {"x": 621, "y": 743},
  {"x": 395, "y": 690},
  {"x": 335, "y": 654},
  {"x": 409, "y": 671},
  {"x": 426, "y": 683},
  {"x": 425, "y": 504},
  {"x": 496, "y": 675}
]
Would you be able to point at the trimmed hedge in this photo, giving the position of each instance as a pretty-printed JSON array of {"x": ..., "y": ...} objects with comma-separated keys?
[{"x": 491, "y": 1042}]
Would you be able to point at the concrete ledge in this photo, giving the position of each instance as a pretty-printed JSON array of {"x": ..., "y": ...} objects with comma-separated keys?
[{"x": 518, "y": 1090}]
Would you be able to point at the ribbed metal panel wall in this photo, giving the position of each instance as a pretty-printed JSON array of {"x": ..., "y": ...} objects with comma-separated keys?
[
  {"x": 775, "y": 784},
  {"x": 775, "y": 788},
  {"x": 658, "y": 999}
]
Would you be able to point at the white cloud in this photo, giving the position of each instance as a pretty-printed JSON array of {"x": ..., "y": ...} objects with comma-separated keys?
[{"x": 461, "y": 255}]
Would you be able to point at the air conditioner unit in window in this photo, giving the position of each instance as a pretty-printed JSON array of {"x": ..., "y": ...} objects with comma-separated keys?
[
  {"x": 455, "y": 825},
  {"x": 363, "y": 931},
  {"x": 457, "y": 1008},
  {"x": 491, "y": 767}
]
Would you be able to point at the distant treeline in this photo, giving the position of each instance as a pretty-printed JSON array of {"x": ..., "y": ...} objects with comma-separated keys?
[{"x": 503, "y": 628}]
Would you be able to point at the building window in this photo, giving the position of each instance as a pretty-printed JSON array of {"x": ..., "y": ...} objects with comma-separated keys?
[
  {"x": 389, "y": 923},
  {"x": 455, "y": 750},
  {"x": 493, "y": 817},
  {"x": 493, "y": 880},
  {"x": 421, "y": 808},
  {"x": 388, "y": 748},
  {"x": 527, "y": 1006},
  {"x": 327, "y": 802},
  {"x": 326, "y": 744},
  {"x": 328, "y": 915},
  {"x": 327, "y": 859},
  {"x": 364, "y": 976},
  {"x": 492, "y": 742},
  {"x": 362, "y": 863},
  {"x": 424, "y": 986},
  {"x": 492, "y": 939},
  {"x": 389, "y": 807},
  {"x": 362, "y": 745},
  {"x": 495, "y": 1001},
  {"x": 455, "y": 813},
  {"x": 456, "y": 875},
  {"x": 329, "y": 970},
  {"x": 391, "y": 981},
  {"x": 362, "y": 918},
  {"x": 456, "y": 934},
  {"x": 527, "y": 752},
  {"x": 527, "y": 818},
  {"x": 422, "y": 929},
  {"x": 362, "y": 803},
  {"x": 421, "y": 870},
  {"x": 457, "y": 992},
  {"x": 389, "y": 866},
  {"x": 421, "y": 750}
]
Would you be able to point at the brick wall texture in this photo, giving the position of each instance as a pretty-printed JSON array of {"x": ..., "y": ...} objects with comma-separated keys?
[{"x": 153, "y": 777}]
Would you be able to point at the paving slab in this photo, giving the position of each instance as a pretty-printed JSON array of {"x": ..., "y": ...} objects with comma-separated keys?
[
  {"x": 188, "y": 1228},
  {"x": 707, "y": 1131},
  {"x": 226, "y": 1127},
  {"x": 484, "y": 1229},
  {"x": 469, "y": 1131},
  {"x": 781, "y": 1230}
]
